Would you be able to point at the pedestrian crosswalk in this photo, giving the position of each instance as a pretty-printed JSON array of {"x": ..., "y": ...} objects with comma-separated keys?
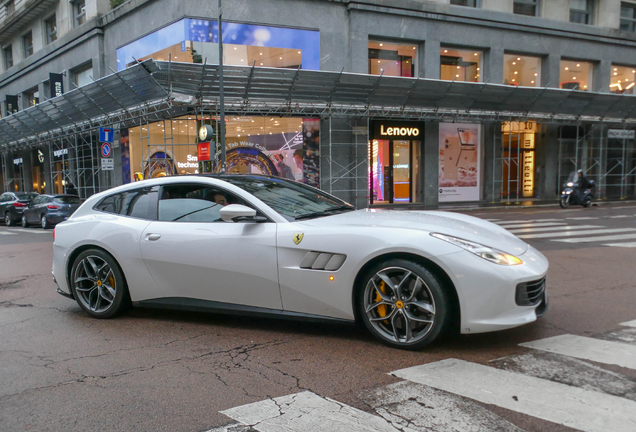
[
  {"x": 561, "y": 380},
  {"x": 567, "y": 231}
]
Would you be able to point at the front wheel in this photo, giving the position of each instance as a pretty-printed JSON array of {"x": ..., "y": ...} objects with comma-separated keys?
[
  {"x": 44, "y": 223},
  {"x": 7, "y": 219},
  {"x": 564, "y": 202},
  {"x": 25, "y": 224},
  {"x": 403, "y": 304},
  {"x": 98, "y": 284}
]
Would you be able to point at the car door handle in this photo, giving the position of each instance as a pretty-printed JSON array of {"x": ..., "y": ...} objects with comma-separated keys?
[{"x": 153, "y": 237}]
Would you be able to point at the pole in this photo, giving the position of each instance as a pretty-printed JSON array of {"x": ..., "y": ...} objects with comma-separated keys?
[{"x": 221, "y": 95}]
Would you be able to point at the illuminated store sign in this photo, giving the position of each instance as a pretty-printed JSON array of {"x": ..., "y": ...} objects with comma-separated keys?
[
  {"x": 389, "y": 130},
  {"x": 18, "y": 161},
  {"x": 528, "y": 174},
  {"x": 60, "y": 153},
  {"x": 399, "y": 131},
  {"x": 193, "y": 162}
]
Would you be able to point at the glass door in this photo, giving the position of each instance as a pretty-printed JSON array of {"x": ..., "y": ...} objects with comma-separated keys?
[{"x": 390, "y": 171}]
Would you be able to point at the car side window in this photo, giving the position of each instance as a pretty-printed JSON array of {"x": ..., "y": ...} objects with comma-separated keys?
[
  {"x": 4, "y": 198},
  {"x": 36, "y": 201},
  {"x": 194, "y": 203},
  {"x": 138, "y": 203}
]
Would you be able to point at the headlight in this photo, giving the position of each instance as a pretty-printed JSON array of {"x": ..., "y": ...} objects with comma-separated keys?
[
  {"x": 485, "y": 252},
  {"x": 570, "y": 184},
  {"x": 568, "y": 192}
]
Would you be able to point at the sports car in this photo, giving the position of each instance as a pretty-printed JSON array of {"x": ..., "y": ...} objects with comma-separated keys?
[{"x": 266, "y": 246}]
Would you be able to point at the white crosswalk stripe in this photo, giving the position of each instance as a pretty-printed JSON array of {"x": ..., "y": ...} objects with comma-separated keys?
[
  {"x": 577, "y": 233},
  {"x": 559, "y": 403},
  {"x": 33, "y": 231},
  {"x": 583, "y": 218},
  {"x": 585, "y": 348},
  {"x": 598, "y": 239},
  {"x": 629, "y": 324},
  {"x": 7, "y": 233},
  {"x": 624, "y": 245},
  {"x": 621, "y": 216},
  {"x": 554, "y": 228},
  {"x": 533, "y": 225},
  {"x": 532, "y": 221}
]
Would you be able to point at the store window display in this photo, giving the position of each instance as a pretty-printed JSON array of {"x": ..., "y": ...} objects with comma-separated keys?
[
  {"x": 460, "y": 65},
  {"x": 392, "y": 59},
  {"x": 576, "y": 75},
  {"x": 623, "y": 79},
  {"x": 522, "y": 70}
]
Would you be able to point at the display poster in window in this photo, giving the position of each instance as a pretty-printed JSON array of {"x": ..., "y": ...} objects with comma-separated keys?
[
  {"x": 293, "y": 155},
  {"x": 459, "y": 162}
]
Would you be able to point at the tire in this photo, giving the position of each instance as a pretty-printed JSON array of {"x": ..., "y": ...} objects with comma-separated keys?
[
  {"x": 44, "y": 223},
  {"x": 564, "y": 202},
  {"x": 98, "y": 284},
  {"x": 7, "y": 219},
  {"x": 408, "y": 326},
  {"x": 25, "y": 224},
  {"x": 587, "y": 202}
]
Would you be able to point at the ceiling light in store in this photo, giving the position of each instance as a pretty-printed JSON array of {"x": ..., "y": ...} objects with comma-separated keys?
[
  {"x": 242, "y": 60},
  {"x": 280, "y": 58},
  {"x": 300, "y": 52},
  {"x": 630, "y": 86},
  {"x": 573, "y": 78},
  {"x": 619, "y": 80},
  {"x": 518, "y": 58},
  {"x": 239, "y": 134},
  {"x": 381, "y": 44},
  {"x": 516, "y": 72},
  {"x": 476, "y": 54},
  {"x": 445, "y": 51},
  {"x": 261, "y": 127},
  {"x": 578, "y": 65},
  {"x": 270, "y": 133},
  {"x": 513, "y": 80},
  {"x": 615, "y": 69},
  {"x": 477, "y": 68},
  {"x": 514, "y": 63},
  {"x": 536, "y": 74},
  {"x": 456, "y": 76},
  {"x": 567, "y": 68},
  {"x": 634, "y": 71},
  {"x": 615, "y": 73},
  {"x": 626, "y": 79},
  {"x": 261, "y": 53},
  {"x": 584, "y": 86},
  {"x": 458, "y": 67},
  {"x": 234, "y": 48},
  {"x": 261, "y": 64},
  {"x": 378, "y": 61},
  {"x": 414, "y": 48},
  {"x": 531, "y": 82}
]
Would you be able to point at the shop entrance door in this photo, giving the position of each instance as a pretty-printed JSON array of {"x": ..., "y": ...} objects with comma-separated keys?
[
  {"x": 517, "y": 161},
  {"x": 391, "y": 171}
]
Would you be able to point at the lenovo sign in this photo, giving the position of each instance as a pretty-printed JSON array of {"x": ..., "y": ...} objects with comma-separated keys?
[{"x": 388, "y": 130}]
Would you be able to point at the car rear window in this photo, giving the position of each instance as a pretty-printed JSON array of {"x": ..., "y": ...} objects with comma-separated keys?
[{"x": 67, "y": 200}]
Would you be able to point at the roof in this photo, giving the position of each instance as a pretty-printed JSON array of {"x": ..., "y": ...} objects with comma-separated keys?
[{"x": 150, "y": 88}]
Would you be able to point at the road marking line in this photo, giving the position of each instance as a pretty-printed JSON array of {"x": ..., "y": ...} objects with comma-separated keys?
[
  {"x": 577, "y": 408},
  {"x": 534, "y": 225},
  {"x": 528, "y": 221},
  {"x": 28, "y": 231},
  {"x": 577, "y": 233},
  {"x": 306, "y": 411},
  {"x": 583, "y": 218},
  {"x": 620, "y": 216},
  {"x": 629, "y": 324},
  {"x": 624, "y": 245},
  {"x": 557, "y": 228},
  {"x": 598, "y": 239},
  {"x": 585, "y": 348},
  {"x": 7, "y": 233},
  {"x": 492, "y": 220}
]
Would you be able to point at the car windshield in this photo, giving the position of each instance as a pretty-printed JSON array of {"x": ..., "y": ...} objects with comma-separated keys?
[
  {"x": 67, "y": 199},
  {"x": 290, "y": 199}
]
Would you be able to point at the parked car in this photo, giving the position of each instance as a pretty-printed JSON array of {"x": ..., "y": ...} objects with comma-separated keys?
[
  {"x": 12, "y": 204},
  {"x": 49, "y": 210},
  {"x": 261, "y": 245}
]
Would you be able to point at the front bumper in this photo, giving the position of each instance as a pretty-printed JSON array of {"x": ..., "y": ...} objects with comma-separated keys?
[{"x": 487, "y": 292}]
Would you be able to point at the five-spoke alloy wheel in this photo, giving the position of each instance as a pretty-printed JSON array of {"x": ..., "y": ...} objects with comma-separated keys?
[
  {"x": 98, "y": 283},
  {"x": 44, "y": 223},
  {"x": 403, "y": 304}
]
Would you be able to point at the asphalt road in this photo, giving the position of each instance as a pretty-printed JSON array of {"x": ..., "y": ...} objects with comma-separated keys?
[{"x": 170, "y": 371}]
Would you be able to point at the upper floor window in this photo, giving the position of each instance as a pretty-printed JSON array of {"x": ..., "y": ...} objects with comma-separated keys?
[
  {"x": 79, "y": 12},
  {"x": 32, "y": 97},
  {"x": 391, "y": 59},
  {"x": 526, "y": 7},
  {"x": 7, "y": 54},
  {"x": 628, "y": 16},
  {"x": 469, "y": 3},
  {"x": 460, "y": 65},
  {"x": 576, "y": 75},
  {"x": 27, "y": 43},
  {"x": 82, "y": 76},
  {"x": 520, "y": 70},
  {"x": 10, "y": 7},
  {"x": 582, "y": 11},
  {"x": 623, "y": 79},
  {"x": 51, "y": 29}
]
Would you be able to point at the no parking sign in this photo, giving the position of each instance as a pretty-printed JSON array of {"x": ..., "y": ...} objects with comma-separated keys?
[{"x": 106, "y": 149}]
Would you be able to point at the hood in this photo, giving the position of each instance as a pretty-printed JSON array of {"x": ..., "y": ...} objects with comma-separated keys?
[{"x": 453, "y": 224}]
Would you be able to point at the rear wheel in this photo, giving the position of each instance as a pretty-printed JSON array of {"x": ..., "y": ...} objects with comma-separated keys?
[
  {"x": 44, "y": 223},
  {"x": 564, "y": 202},
  {"x": 7, "y": 219},
  {"x": 587, "y": 202},
  {"x": 98, "y": 284},
  {"x": 25, "y": 224},
  {"x": 403, "y": 304}
]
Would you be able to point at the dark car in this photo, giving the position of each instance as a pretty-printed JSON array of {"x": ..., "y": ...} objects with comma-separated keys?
[
  {"x": 12, "y": 204},
  {"x": 48, "y": 210}
]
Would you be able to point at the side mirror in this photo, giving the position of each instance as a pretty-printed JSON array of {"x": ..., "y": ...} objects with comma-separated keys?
[{"x": 232, "y": 212}]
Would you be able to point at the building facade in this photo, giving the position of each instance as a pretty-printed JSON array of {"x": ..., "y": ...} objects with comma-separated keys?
[{"x": 580, "y": 46}]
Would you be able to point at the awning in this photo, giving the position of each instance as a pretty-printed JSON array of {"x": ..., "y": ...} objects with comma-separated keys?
[{"x": 148, "y": 89}]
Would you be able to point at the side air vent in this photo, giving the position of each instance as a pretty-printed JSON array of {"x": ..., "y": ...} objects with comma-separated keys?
[{"x": 322, "y": 261}]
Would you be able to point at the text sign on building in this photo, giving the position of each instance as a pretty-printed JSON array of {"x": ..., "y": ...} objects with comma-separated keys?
[
  {"x": 17, "y": 161},
  {"x": 528, "y": 174},
  {"x": 106, "y": 150},
  {"x": 60, "y": 152},
  {"x": 106, "y": 135},
  {"x": 108, "y": 164},
  {"x": 621, "y": 134},
  {"x": 389, "y": 130},
  {"x": 204, "y": 151},
  {"x": 56, "y": 84}
]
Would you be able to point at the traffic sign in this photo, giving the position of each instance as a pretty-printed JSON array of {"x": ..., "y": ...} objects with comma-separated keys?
[
  {"x": 108, "y": 164},
  {"x": 106, "y": 149},
  {"x": 106, "y": 135}
]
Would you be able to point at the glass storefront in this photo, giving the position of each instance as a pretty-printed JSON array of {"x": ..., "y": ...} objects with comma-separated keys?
[
  {"x": 196, "y": 41},
  {"x": 288, "y": 147},
  {"x": 576, "y": 75},
  {"x": 522, "y": 70},
  {"x": 395, "y": 162},
  {"x": 460, "y": 65},
  {"x": 623, "y": 79},
  {"x": 392, "y": 59}
]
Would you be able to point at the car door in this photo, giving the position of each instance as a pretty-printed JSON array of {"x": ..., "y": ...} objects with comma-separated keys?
[
  {"x": 29, "y": 210},
  {"x": 192, "y": 253}
]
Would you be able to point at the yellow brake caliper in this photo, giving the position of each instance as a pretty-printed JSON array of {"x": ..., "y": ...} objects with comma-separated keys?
[{"x": 378, "y": 298}]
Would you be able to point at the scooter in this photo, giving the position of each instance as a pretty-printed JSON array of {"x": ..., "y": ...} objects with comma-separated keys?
[{"x": 569, "y": 195}]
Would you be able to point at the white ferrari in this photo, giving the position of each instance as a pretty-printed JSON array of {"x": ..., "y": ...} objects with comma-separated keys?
[{"x": 260, "y": 245}]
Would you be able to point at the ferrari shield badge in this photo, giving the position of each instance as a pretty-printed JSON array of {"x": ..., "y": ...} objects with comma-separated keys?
[{"x": 298, "y": 237}]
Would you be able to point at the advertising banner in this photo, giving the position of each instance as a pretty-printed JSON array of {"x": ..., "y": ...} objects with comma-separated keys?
[
  {"x": 56, "y": 82},
  {"x": 459, "y": 162},
  {"x": 204, "y": 151}
]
